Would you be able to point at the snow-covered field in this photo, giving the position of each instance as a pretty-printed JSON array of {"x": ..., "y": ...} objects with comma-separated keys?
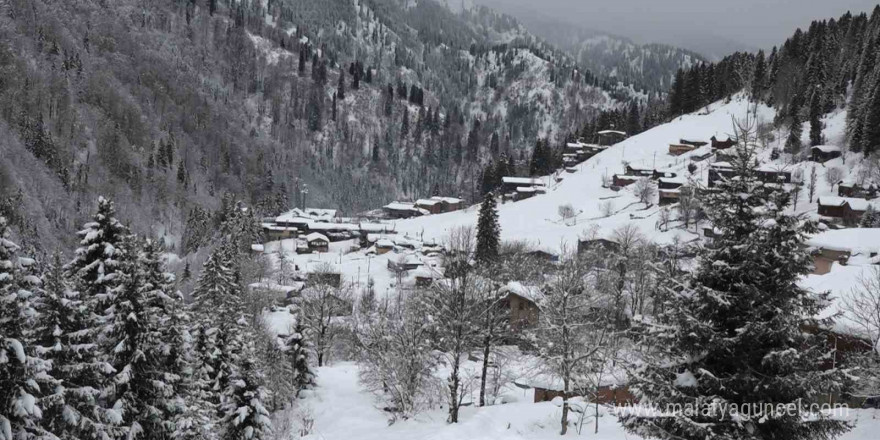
[{"x": 342, "y": 410}]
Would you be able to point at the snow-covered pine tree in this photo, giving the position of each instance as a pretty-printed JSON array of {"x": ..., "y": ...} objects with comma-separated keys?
[
  {"x": 296, "y": 349},
  {"x": 22, "y": 371},
  {"x": 216, "y": 308},
  {"x": 59, "y": 314},
  {"x": 738, "y": 332},
  {"x": 96, "y": 273},
  {"x": 488, "y": 230},
  {"x": 139, "y": 333},
  {"x": 245, "y": 416}
]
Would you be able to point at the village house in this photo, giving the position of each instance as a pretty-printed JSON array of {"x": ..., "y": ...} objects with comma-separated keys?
[
  {"x": 449, "y": 203},
  {"x": 610, "y": 137},
  {"x": 384, "y": 246},
  {"x": 404, "y": 263},
  {"x": 431, "y": 205},
  {"x": 274, "y": 232},
  {"x": 318, "y": 242},
  {"x": 722, "y": 142},
  {"x": 620, "y": 180},
  {"x": 425, "y": 276},
  {"x": 640, "y": 171},
  {"x": 853, "y": 189},
  {"x": 523, "y": 193},
  {"x": 679, "y": 149},
  {"x": 768, "y": 174},
  {"x": 824, "y": 153},
  {"x": 510, "y": 184},
  {"x": 848, "y": 209},
  {"x": 522, "y": 304},
  {"x": 844, "y": 246},
  {"x": 398, "y": 210},
  {"x": 605, "y": 394},
  {"x": 701, "y": 157},
  {"x": 601, "y": 245},
  {"x": 693, "y": 141}
]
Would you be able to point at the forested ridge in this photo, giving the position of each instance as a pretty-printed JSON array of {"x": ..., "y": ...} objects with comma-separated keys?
[
  {"x": 833, "y": 65},
  {"x": 168, "y": 105}
]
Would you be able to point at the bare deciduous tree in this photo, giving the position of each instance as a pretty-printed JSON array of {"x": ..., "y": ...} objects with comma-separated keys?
[
  {"x": 833, "y": 176},
  {"x": 811, "y": 186},
  {"x": 320, "y": 303},
  {"x": 862, "y": 307},
  {"x": 566, "y": 212},
  {"x": 571, "y": 328},
  {"x": 645, "y": 190}
]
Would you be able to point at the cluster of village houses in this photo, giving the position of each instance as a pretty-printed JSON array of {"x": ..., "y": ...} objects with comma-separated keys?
[{"x": 421, "y": 263}]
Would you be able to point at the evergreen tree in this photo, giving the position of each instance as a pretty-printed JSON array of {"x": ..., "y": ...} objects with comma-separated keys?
[
  {"x": 816, "y": 118},
  {"x": 488, "y": 230},
  {"x": 793, "y": 142},
  {"x": 22, "y": 369},
  {"x": 144, "y": 340},
  {"x": 734, "y": 334},
  {"x": 315, "y": 109},
  {"x": 870, "y": 136},
  {"x": 97, "y": 273},
  {"x": 296, "y": 349},
  {"x": 245, "y": 417},
  {"x": 676, "y": 94},
  {"x": 340, "y": 88},
  {"x": 759, "y": 76}
]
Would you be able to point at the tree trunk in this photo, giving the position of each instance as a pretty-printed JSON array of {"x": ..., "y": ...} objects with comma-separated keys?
[
  {"x": 453, "y": 390},
  {"x": 564, "y": 413},
  {"x": 486, "y": 349}
]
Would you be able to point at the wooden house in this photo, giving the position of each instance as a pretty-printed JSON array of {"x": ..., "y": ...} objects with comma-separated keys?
[
  {"x": 693, "y": 141},
  {"x": 522, "y": 304},
  {"x": 404, "y": 263},
  {"x": 852, "y": 189},
  {"x": 768, "y": 174},
  {"x": 824, "y": 153},
  {"x": 523, "y": 193},
  {"x": 679, "y": 149},
  {"x": 620, "y": 180},
  {"x": 639, "y": 171},
  {"x": 668, "y": 196},
  {"x": 318, "y": 242},
  {"x": 433, "y": 206},
  {"x": 610, "y": 137},
  {"x": 274, "y": 232},
  {"x": 722, "y": 142},
  {"x": 450, "y": 203},
  {"x": 384, "y": 246},
  {"x": 510, "y": 184},
  {"x": 403, "y": 210},
  {"x": 848, "y": 209}
]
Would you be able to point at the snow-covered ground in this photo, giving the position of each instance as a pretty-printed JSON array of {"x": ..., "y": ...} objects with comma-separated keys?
[{"x": 343, "y": 410}]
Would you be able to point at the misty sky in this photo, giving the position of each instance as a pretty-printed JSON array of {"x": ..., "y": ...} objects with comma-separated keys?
[{"x": 746, "y": 23}]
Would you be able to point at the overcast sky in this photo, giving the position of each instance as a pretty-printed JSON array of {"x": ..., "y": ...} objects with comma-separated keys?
[{"x": 750, "y": 23}]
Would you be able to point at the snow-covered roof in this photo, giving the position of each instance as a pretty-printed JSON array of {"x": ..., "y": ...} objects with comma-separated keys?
[
  {"x": 607, "y": 132},
  {"x": 427, "y": 202},
  {"x": 826, "y": 148},
  {"x": 530, "y": 293},
  {"x": 386, "y": 243},
  {"x": 522, "y": 181},
  {"x": 257, "y": 247},
  {"x": 721, "y": 138},
  {"x": 853, "y": 240},
  {"x": 450, "y": 200},
  {"x": 854, "y": 203},
  {"x": 306, "y": 214},
  {"x": 316, "y": 226},
  {"x": 526, "y": 189},
  {"x": 680, "y": 180},
  {"x": 404, "y": 206},
  {"x": 721, "y": 165},
  {"x": 273, "y": 227},
  {"x": 295, "y": 286},
  {"x": 314, "y": 236}
]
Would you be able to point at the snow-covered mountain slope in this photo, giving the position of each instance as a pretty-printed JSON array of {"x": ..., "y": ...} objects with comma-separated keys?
[{"x": 536, "y": 220}]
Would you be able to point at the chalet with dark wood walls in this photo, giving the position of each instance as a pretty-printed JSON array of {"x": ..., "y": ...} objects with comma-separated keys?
[
  {"x": 824, "y": 153},
  {"x": 722, "y": 142}
]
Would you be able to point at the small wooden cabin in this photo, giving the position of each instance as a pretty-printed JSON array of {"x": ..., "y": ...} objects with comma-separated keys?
[{"x": 824, "y": 153}]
